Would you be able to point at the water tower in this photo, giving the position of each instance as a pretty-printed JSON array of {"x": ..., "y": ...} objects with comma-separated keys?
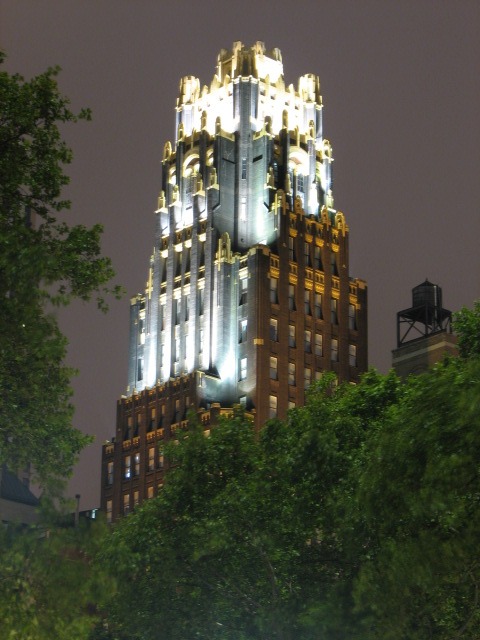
[{"x": 424, "y": 331}]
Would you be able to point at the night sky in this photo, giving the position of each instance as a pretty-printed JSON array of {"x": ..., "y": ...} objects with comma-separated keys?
[{"x": 401, "y": 92}]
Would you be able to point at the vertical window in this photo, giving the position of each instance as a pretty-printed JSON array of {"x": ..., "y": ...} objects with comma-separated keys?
[
  {"x": 291, "y": 404},
  {"x": 317, "y": 299},
  {"x": 160, "y": 460},
  {"x": 137, "y": 464},
  {"x": 318, "y": 259},
  {"x": 136, "y": 498},
  {"x": 352, "y": 355},
  {"x": 272, "y": 402},
  {"x": 141, "y": 331},
  {"x": 243, "y": 368},
  {"x": 178, "y": 259},
  {"x": 291, "y": 336},
  {"x": 153, "y": 415},
  {"x": 242, "y": 330},
  {"x": 291, "y": 297},
  {"x": 176, "y": 311},
  {"x": 308, "y": 308},
  {"x": 308, "y": 341},
  {"x": 201, "y": 296},
  {"x": 352, "y": 317},
  {"x": 161, "y": 317},
  {"x": 109, "y": 511},
  {"x": 333, "y": 262},
  {"x": 273, "y": 368},
  {"x": 149, "y": 492},
  {"x": 110, "y": 473},
  {"x": 151, "y": 458},
  {"x": 306, "y": 251},
  {"x": 291, "y": 373},
  {"x": 300, "y": 182},
  {"x": 244, "y": 168},
  {"x": 200, "y": 341},
  {"x": 187, "y": 308},
  {"x": 127, "y": 466},
  {"x": 176, "y": 354},
  {"x": 307, "y": 377},
  {"x": 274, "y": 329},
  {"x": 334, "y": 351},
  {"x": 318, "y": 344},
  {"x": 334, "y": 308},
  {"x": 274, "y": 290},
  {"x": 178, "y": 416},
  {"x": 291, "y": 249},
  {"x": 126, "y": 504},
  {"x": 140, "y": 369},
  {"x": 243, "y": 291},
  {"x": 243, "y": 401}
]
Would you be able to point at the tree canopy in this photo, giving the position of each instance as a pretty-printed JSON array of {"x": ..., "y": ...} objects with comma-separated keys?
[
  {"x": 44, "y": 262},
  {"x": 356, "y": 517}
]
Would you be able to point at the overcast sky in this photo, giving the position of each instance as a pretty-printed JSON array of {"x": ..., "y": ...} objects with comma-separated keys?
[{"x": 401, "y": 92}]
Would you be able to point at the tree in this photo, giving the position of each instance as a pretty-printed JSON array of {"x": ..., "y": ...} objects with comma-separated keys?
[
  {"x": 241, "y": 542},
  {"x": 467, "y": 326},
  {"x": 50, "y": 585},
  {"x": 44, "y": 263}
]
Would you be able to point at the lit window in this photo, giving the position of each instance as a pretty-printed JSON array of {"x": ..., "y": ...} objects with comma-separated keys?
[
  {"x": 137, "y": 464},
  {"x": 274, "y": 290},
  {"x": 291, "y": 373},
  {"x": 291, "y": 404},
  {"x": 334, "y": 351},
  {"x": 152, "y": 423},
  {"x": 136, "y": 498},
  {"x": 243, "y": 291},
  {"x": 141, "y": 331},
  {"x": 334, "y": 309},
  {"x": 242, "y": 330},
  {"x": 308, "y": 341},
  {"x": 306, "y": 297},
  {"x": 273, "y": 368},
  {"x": 126, "y": 504},
  {"x": 244, "y": 168},
  {"x": 176, "y": 354},
  {"x": 178, "y": 415},
  {"x": 291, "y": 336},
  {"x": 128, "y": 467},
  {"x": 110, "y": 473},
  {"x": 151, "y": 458},
  {"x": 243, "y": 401},
  {"x": 352, "y": 317},
  {"x": 318, "y": 344},
  {"x": 149, "y": 492},
  {"x": 317, "y": 299},
  {"x": 272, "y": 401},
  {"x": 352, "y": 355},
  {"x": 291, "y": 297},
  {"x": 274, "y": 329},
  {"x": 307, "y": 377},
  {"x": 243, "y": 368},
  {"x": 200, "y": 341},
  {"x": 160, "y": 460},
  {"x": 109, "y": 510}
]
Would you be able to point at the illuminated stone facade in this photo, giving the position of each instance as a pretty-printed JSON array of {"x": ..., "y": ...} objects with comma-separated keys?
[{"x": 248, "y": 298}]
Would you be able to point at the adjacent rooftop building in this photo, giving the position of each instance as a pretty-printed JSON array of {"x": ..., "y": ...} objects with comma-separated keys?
[{"x": 248, "y": 298}]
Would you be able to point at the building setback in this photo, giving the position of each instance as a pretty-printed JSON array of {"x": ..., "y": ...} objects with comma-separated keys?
[{"x": 248, "y": 298}]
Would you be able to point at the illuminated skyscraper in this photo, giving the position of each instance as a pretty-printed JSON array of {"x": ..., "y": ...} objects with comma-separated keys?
[{"x": 248, "y": 298}]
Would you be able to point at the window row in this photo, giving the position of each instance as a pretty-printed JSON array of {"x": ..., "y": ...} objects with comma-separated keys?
[{"x": 131, "y": 464}]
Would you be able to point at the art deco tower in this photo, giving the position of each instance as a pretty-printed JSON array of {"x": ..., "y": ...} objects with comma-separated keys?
[{"x": 248, "y": 298}]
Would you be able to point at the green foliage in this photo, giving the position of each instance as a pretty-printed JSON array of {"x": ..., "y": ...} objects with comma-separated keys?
[
  {"x": 43, "y": 262},
  {"x": 467, "y": 327},
  {"x": 356, "y": 517},
  {"x": 49, "y": 584}
]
